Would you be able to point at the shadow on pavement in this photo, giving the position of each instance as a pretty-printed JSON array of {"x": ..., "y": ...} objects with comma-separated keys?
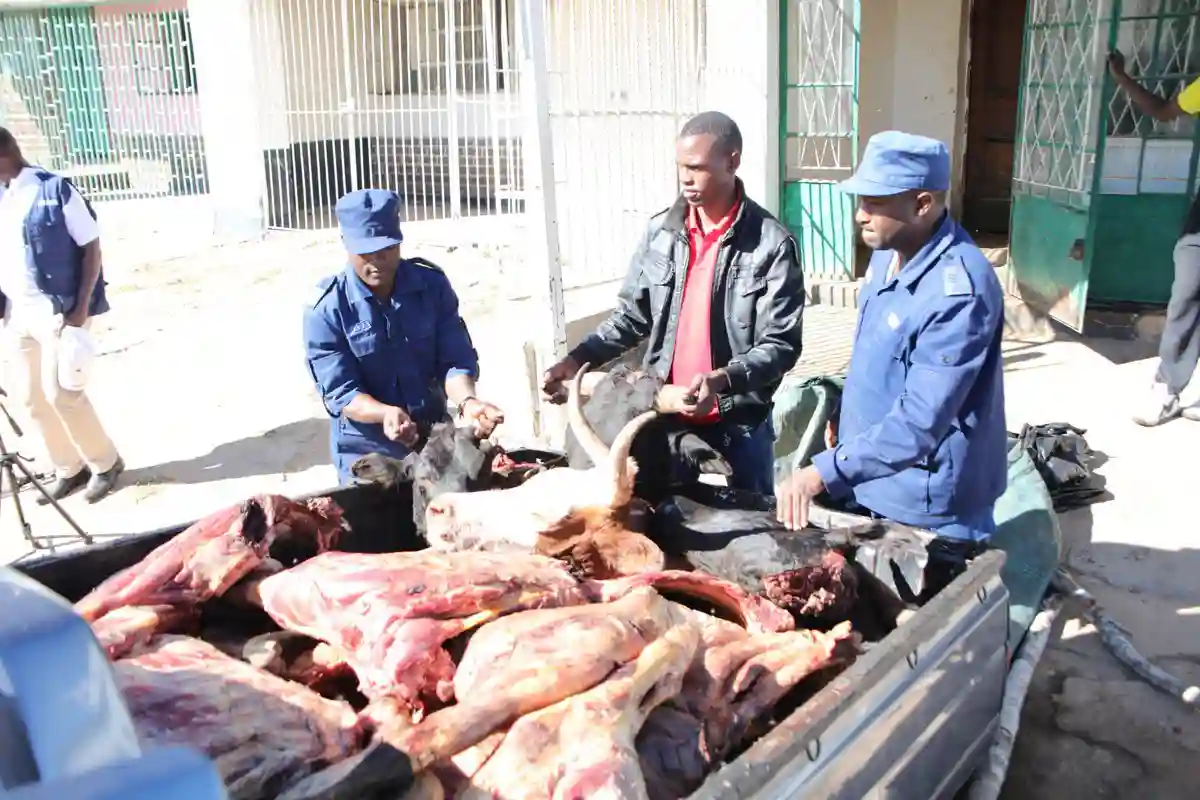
[
  {"x": 289, "y": 448},
  {"x": 1089, "y": 726}
]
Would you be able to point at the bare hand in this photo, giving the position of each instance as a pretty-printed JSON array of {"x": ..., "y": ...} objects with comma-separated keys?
[
  {"x": 673, "y": 399},
  {"x": 1116, "y": 64},
  {"x": 483, "y": 416},
  {"x": 77, "y": 318},
  {"x": 794, "y": 496},
  {"x": 553, "y": 380},
  {"x": 703, "y": 392},
  {"x": 399, "y": 427}
]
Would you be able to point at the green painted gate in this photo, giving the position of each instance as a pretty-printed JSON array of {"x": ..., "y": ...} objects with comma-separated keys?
[
  {"x": 1100, "y": 190},
  {"x": 819, "y": 130}
]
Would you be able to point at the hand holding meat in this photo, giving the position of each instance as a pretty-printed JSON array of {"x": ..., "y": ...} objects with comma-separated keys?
[
  {"x": 399, "y": 427},
  {"x": 483, "y": 416},
  {"x": 794, "y": 496}
]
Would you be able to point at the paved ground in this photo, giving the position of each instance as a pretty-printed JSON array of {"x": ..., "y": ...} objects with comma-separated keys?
[{"x": 203, "y": 386}]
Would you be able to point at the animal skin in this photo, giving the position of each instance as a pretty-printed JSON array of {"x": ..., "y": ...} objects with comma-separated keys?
[
  {"x": 591, "y": 513},
  {"x": 668, "y": 452}
]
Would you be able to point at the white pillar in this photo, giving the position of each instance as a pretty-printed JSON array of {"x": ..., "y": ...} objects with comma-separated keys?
[
  {"x": 741, "y": 79},
  {"x": 229, "y": 115}
]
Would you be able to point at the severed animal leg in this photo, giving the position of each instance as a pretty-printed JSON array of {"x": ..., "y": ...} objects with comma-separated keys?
[
  {"x": 730, "y": 686},
  {"x": 512, "y": 667},
  {"x": 754, "y": 613},
  {"x": 583, "y": 747}
]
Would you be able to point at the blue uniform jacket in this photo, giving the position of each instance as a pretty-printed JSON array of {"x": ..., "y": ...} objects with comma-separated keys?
[
  {"x": 398, "y": 351},
  {"x": 922, "y": 437}
]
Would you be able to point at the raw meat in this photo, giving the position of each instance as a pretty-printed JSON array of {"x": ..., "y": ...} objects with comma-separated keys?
[
  {"x": 730, "y": 687},
  {"x": 751, "y": 612},
  {"x": 804, "y": 572},
  {"x": 205, "y": 560},
  {"x": 583, "y": 747},
  {"x": 514, "y": 666},
  {"x": 123, "y": 629},
  {"x": 390, "y": 613},
  {"x": 262, "y": 732}
]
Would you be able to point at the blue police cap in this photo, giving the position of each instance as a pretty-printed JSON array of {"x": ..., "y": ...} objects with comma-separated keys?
[
  {"x": 370, "y": 220},
  {"x": 896, "y": 162}
]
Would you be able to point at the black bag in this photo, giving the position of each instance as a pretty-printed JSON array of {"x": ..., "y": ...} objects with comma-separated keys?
[{"x": 1062, "y": 457}]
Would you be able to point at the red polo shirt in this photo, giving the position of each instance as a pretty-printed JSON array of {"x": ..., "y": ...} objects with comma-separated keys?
[{"x": 693, "y": 342}]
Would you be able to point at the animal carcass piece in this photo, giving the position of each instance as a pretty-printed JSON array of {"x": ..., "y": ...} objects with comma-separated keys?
[
  {"x": 732, "y": 684},
  {"x": 667, "y": 452},
  {"x": 514, "y": 666},
  {"x": 391, "y": 613},
  {"x": 263, "y": 733},
  {"x": 805, "y": 572},
  {"x": 584, "y": 746},
  {"x": 123, "y": 629},
  {"x": 585, "y": 515},
  {"x": 212, "y": 555}
]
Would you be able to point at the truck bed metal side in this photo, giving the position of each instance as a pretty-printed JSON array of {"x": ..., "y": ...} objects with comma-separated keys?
[{"x": 910, "y": 719}]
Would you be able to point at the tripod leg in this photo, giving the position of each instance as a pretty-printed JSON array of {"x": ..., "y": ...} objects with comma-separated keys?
[
  {"x": 7, "y": 471},
  {"x": 62, "y": 512}
]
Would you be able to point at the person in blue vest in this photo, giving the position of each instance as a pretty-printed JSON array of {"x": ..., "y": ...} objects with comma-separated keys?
[
  {"x": 921, "y": 437},
  {"x": 50, "y": 280},
  {"x": 385, "y": 343}
]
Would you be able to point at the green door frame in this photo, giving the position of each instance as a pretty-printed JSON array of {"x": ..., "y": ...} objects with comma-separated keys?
[{"x": 819, "y": 80}]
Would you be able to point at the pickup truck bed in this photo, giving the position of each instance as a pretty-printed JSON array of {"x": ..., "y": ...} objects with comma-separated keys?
[{"x": 911, "y": 718}]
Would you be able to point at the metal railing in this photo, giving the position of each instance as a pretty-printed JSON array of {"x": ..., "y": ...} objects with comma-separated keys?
[{"x": 106, "y": 95}]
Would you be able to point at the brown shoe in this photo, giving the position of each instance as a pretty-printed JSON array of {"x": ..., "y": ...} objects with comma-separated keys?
[
  {"x": 104, "y": 482},
  {"x": 61, "y": 487}
]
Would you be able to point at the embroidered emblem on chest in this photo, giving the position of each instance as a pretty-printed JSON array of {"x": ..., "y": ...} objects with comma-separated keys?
[
  {"x": 893, "y": 321},
  {"x": 362, "y": 326}
]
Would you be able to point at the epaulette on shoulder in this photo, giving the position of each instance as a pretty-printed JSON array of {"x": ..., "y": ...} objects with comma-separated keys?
[
  {"x": 421, "y": 262},
  {"x": 324, "y": 287},
  {"x": 955, "y": 280}
]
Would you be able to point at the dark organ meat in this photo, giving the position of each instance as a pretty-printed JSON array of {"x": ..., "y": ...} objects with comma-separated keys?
[
  {"x": 390, "y": 614},
  {"x": 261, "y": 731},
  {"x": 584, "y": 746},
  {"x": 212, "y": 555}
]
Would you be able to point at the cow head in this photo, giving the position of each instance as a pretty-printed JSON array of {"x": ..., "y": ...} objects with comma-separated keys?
[
  {"x": 552, "y": 506},
  {"x": 451, "y": 460},
  {"x": 667, "y": 451}
]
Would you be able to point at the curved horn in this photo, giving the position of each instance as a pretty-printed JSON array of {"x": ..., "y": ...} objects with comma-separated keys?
[
  {"x": 619, "y": 455},
  {"x": 592, "y": 444}
]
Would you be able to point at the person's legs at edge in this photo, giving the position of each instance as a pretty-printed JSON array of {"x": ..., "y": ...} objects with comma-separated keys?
[
  {"x": 751, "y": 454},
  {"x": 956, "y": 544},
  {"x": 90, "y": 442},
  {"x": 1179, "y": 349},
  {"x": 26, "y": 359}
]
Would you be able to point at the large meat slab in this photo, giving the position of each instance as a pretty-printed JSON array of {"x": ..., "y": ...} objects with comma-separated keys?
[{"x": 262, "y": 732}]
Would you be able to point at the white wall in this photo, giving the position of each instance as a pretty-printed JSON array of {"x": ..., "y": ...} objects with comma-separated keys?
[
  {"x": 744, "y": 83},
  {"x": 910, "y": 74}
]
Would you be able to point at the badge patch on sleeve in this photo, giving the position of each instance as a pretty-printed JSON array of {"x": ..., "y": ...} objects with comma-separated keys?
[{"x": 956, "y": 282}]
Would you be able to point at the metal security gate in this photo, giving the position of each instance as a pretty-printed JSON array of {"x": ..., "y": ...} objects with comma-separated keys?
[
  {"x": 819, "y": 122},
  {"x": 624, "y": 77},
  {"x": 418, "y": 96},
  {"x": 1098, "y": 187},
  {"x": 1057, "y": 142},
  {"x": 106, "y": 95}
]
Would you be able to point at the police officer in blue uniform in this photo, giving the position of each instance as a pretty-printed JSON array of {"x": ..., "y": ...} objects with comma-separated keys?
[
  {"x": 385, "y": 343},
  {"x": 921, "y": 434}
]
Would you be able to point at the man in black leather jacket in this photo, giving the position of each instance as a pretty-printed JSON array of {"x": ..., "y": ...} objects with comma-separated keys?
[{"x": 715, "y": 287}]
